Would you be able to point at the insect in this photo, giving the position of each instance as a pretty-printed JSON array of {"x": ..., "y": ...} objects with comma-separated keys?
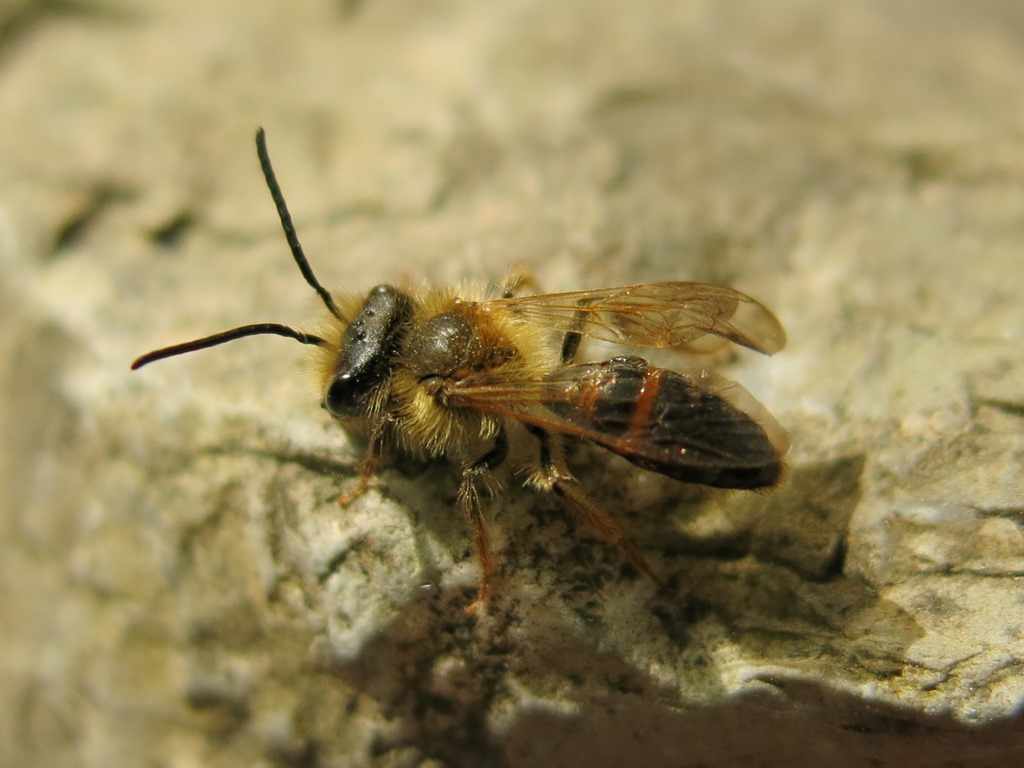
[{"x": 494, "y": 384}]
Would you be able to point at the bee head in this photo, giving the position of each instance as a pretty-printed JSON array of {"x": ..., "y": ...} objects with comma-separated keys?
[{"x": 366, "y": 351}]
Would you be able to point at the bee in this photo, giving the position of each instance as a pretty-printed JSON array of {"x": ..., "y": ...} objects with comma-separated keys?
[{"x": 494, "y": 384}]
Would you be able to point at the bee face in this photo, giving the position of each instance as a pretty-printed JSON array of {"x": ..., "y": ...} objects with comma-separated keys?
[
  {"x": 366, "y": 353},
  {"x": 435, "y": 374}
]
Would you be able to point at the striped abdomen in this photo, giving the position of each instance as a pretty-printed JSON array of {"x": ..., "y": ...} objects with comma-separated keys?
[{"x": 665, "y": 421}]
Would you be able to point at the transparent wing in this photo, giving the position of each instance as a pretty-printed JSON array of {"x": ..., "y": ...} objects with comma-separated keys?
[
  {"x": 692, "y": 428},
  {"x": 676, "y": 315}
]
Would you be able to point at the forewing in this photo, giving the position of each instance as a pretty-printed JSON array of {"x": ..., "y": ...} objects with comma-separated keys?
[
  {"x": 690, "y": 431},
  {"x": 676, "y": 315}
]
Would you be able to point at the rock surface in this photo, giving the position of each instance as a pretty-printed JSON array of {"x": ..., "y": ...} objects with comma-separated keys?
[{"x": 179, "y": 587}]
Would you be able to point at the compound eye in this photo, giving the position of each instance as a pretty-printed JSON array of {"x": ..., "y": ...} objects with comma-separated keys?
[{"x": 346, "y": 396}]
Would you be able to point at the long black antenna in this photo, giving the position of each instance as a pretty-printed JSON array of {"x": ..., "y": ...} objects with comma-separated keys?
[
  {"x": 257, "y": 329},
  {"x": 226, "y": 336},
  {"x": 289, "y": 228}
]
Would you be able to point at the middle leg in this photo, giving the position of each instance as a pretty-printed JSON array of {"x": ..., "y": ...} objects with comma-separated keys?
[{"x": 473, "y": 474}]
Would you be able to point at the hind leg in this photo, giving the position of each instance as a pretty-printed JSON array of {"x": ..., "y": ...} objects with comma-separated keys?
[{"x": 553, "y": 477}]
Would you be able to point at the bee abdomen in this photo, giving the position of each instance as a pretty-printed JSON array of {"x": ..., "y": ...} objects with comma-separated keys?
[{"x": 667, "y": 422}]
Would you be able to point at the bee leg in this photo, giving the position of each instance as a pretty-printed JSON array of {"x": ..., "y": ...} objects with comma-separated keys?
[
  {"x": 469, "y": 501},
  {"x": 517, "y": 278},
  {"x": 573, "y": 337},
  {"x": 571, "y": 341},
  {"x": 600, "y": 522},
  {"x": 553, "y": 477},
  {"x": 371, "y": 462},
  {"x": 367, "y": 469}
]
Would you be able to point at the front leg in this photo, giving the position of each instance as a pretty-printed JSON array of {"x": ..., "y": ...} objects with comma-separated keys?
[
  {"x": 469, "y": 501},
  {"x": 371, "y": 462}
]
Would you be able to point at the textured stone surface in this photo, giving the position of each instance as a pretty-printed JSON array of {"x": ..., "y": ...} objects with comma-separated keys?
[{"x": 179, "y": 587}]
